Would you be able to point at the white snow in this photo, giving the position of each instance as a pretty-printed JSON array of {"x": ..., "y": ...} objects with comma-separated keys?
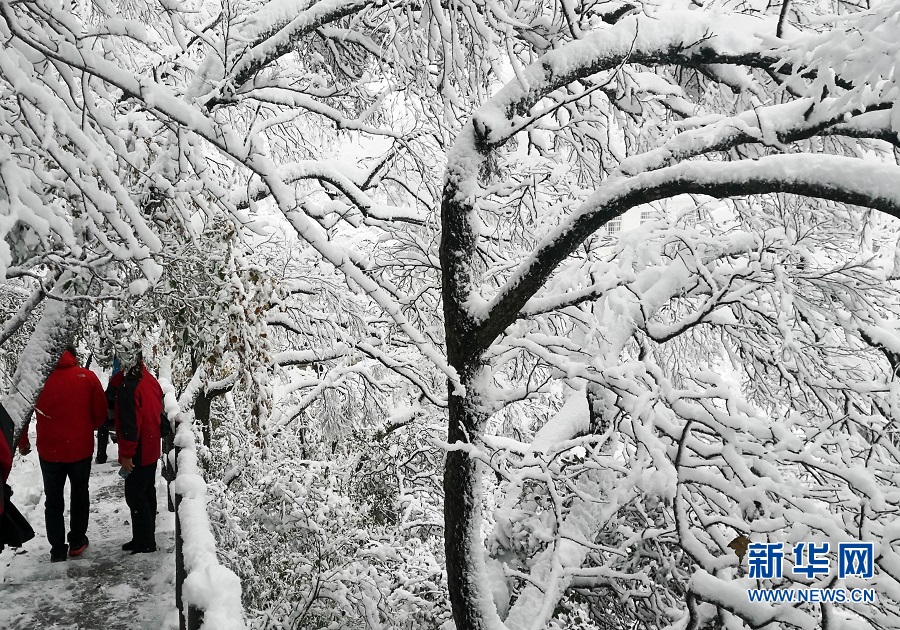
[
  {"x": 209, "y": 586},
  {"x": 105, "y": 587}
]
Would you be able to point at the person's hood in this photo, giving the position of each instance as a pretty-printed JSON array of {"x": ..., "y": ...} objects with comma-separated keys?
[{"x": 67, "y": 360}]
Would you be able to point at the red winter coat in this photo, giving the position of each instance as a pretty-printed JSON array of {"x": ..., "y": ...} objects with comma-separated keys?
[
  {"x": 68, "y": 411},
  {"x": 139, "y": 404}
]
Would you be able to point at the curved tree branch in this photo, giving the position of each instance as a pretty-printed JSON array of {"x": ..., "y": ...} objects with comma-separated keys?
[
  {"x": 836, "y": 178},
  {"x": 278, "y": 38}
]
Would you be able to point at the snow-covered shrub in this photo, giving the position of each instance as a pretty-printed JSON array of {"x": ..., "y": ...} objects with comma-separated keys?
[{"x": 349, "y": 540}]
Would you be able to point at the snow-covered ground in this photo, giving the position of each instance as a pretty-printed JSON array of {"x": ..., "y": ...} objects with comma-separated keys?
[{"x": 105, "y": 588}]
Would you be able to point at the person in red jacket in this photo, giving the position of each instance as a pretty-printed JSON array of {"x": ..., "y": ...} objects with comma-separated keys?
[
  {"x": 69, "y": 409},
  {"x": 139, "y": 404}
]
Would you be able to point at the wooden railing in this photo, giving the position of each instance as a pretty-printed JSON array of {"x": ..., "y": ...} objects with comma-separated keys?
[{"x": 207, "y": 594}]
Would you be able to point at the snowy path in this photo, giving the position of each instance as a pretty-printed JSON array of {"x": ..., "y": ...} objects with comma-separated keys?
[{"x": 104, "y": 589}]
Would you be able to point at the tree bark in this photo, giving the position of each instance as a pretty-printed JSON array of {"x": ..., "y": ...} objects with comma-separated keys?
[
  {"x": 202, "y": 405},
  {"x": 462, "y": 522},
  {"x": 470, "y": 599}
]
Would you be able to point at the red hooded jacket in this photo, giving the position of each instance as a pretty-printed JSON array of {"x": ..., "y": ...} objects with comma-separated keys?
[
  {"x": 139, "y": 404},
  {"x": 68, "y": 411}
]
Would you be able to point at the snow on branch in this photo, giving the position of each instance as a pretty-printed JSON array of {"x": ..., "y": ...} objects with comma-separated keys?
[
  {"x": 681, "y": 38},
  {"x": 350, "y": 182},
  {"x": 858, "y": 54},
  {"x": 15, "y": 322},
  {"x": 294, "y": 99},
  {"x": 303, "y": 358},
  {"x": 771, "y": 126},
  {"x": 55, "y": 329},
  {"x": 548, "y": 303},
  {"x": 165, "y": 103},
  {"x": 277, "y": 30},
  {"x": 56, "y": 132},
  {"x": 842, "y": 179}
]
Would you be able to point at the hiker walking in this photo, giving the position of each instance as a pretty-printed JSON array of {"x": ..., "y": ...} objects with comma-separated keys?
[
  {"x": 68, "y": 411},
  {"x": 139, "y": 404}
]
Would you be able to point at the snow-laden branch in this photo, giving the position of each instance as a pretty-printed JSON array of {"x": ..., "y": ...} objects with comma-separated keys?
[
  {"x": 59, "y": 323},
  {"x": 668, "y": 37},
  {"x": 303, "y": 358},
  {"x": 688, "y": 39},
  {"x": 15, "y": 322},
  {"x": 842, "y": 179},
  {"x": 548, "y": 303},
  {"x": 348, "y": 181},
  {"x": 276, "y": 30},
  {"x": 105, "y": 204},
  {"x": 296, "y": 99},
  {"x": 165, "y": 103},
  {"x": 772, "y": 126},
  {"x": 403, "y": 369},
  {"x": 733, "y": 598}
]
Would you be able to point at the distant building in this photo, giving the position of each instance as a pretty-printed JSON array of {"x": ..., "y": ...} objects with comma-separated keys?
[{"x": 683, "y": 210}]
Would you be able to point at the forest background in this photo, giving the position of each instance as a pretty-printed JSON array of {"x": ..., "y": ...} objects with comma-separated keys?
[{"x": 367, "y": 239}]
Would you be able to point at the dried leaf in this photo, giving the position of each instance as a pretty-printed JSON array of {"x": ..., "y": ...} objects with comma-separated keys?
[{"x": 740, "y": 544}]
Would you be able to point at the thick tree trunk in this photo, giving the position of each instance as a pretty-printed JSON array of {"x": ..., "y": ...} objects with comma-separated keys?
[
  {"x": 202, "y": 405},
  {"x": 203, "y": 410},
  {"x": 470, "y": 597}
]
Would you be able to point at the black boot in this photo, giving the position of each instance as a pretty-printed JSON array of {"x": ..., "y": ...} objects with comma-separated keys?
[
  {"x": 150, "y": 549},
  {"x": 59, "y": 555}
]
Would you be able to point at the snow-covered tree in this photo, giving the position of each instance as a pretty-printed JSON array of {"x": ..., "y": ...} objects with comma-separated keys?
[
  {"x": 643, "y": 401},
  {"x": 638, "y": 494}
]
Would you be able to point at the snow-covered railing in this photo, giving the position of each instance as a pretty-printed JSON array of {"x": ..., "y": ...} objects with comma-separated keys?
[{"x": 207, "y": 594}]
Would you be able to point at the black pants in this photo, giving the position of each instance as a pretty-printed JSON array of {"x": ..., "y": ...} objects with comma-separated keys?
[
  {"x": 102, "y": 442},
  {"x": 103, "y": 435},
  {"x": 140, "y": 495},
  {"x": 55, "y": 475}
]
